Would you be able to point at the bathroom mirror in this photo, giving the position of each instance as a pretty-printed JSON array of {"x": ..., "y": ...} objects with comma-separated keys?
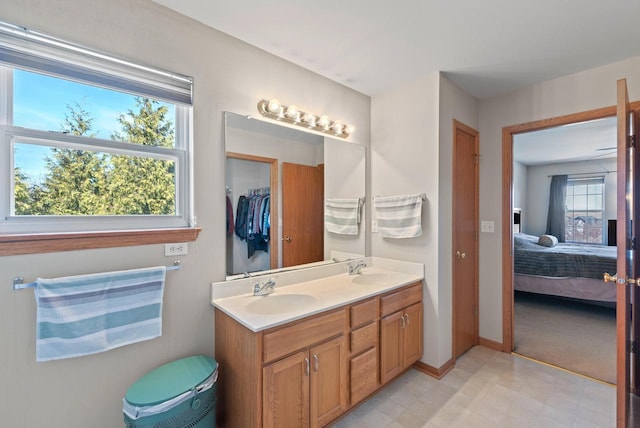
[{"x": 277, "y": 181}]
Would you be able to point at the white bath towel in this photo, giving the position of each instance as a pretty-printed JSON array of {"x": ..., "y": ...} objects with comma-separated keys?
[
  {"x": 342, "y": 216},
  {"x": 399, "y": 216},
  {"x": 87, "y": 314}
]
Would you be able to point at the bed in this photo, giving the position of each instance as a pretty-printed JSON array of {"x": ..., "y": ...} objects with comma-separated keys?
[{"x": 566, "y": 269}]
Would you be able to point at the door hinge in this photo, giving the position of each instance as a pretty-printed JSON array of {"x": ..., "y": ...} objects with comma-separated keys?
[
  {"x": 476, "y": 158},
  {"x": 475, "y": 235},
  {"x": 633, "y": 243},
  {"x": 475, "y": 311},
  {"x": 632, "y": 141},
  {"x": 633, "y": 346}
]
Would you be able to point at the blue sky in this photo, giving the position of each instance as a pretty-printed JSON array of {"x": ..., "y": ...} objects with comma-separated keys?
[{"x": 40, "y": 102}]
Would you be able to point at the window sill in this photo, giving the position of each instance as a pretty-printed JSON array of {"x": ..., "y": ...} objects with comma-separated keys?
[{"x": 13, "y": 245}]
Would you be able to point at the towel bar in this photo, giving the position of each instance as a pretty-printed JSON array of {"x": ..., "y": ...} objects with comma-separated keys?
[
  {"x": 422, "y": 195},
  {"x": 19, "y": 284}
]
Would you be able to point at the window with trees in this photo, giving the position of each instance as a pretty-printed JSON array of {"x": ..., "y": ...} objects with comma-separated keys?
[
  {"x": 585, "y": 210},
  {"x": 89, "y": 142}
]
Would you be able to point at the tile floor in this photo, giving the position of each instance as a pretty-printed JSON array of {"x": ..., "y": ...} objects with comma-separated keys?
[{"x": 489, "y": 389}]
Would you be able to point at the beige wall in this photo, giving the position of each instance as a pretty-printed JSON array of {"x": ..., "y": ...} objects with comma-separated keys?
[
  {"x": 582, "y": 91},
  {"x": 404, "y": 159},
  {"x": 411, "y": 147},
  {"x": 229, "y": 76}
]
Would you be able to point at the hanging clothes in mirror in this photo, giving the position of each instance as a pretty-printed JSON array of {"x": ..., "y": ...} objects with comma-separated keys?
[{"x": 253, "y": 220}]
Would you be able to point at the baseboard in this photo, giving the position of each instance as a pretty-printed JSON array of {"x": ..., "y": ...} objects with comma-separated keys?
[
  {"x": 437, "y": 373},
  {"x": 491, "y": 344}
]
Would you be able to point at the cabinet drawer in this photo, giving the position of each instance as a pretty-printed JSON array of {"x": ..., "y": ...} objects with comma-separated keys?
[
  {"x": 364, "y": 375},
  {"x": 362, "y": 313},
  {"x": 364, "y": 337},
  {"x": 303, "y": 334},
  {"x": 401, "y": 299}
]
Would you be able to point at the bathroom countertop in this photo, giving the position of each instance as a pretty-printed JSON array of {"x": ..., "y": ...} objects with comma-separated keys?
[{"x": 298, "y": 300}]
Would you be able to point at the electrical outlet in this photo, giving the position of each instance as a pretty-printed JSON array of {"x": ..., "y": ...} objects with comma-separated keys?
[{"x": 177, "y": 249}]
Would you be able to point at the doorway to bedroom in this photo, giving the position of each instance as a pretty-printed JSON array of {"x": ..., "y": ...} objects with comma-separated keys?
[{"x": 563, "y": 240}]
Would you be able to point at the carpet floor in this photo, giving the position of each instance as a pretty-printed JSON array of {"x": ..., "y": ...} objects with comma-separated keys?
[{"x": 576, "y": 336}]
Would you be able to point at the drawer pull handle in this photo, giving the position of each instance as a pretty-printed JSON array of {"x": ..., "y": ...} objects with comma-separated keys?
[
  {"x": 306, "y": 367},
  {"x": 407, "y": 320},
  {"x": 403, "y": 321},
  {"x": 315, "y": 362}
]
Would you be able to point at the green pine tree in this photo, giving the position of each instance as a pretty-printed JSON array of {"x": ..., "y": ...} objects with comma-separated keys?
[
  {"x": 76, "y": 180},
  {"x": 22, "y": 194},
  {"x": 143, "y": 185}
]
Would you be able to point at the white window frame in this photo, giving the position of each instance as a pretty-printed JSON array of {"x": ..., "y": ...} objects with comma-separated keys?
[
  {"x": 576, "y": 181},
  {"x": 181, "y": 154}
]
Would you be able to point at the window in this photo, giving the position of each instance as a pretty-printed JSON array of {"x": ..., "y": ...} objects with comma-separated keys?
[
  {"x": 585, "y": 209},
  {"x": 89, "y": 142}
]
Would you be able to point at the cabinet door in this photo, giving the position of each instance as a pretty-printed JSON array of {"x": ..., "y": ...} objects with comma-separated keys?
[
  {"x": 391, "y": 361},
  {"x": 286, "y": 392},
  {"x": 328, "y": 381},
  {"x": 412, "y": 332}
]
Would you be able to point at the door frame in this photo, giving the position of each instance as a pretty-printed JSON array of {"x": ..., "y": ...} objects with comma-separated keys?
[
  {"x": 273, "y": 200},
  {"x": 507, "y": 202},
  {"x": 457, "y": 125}
]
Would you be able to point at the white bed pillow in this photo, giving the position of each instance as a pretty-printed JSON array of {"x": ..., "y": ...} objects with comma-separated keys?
[{"x": 547, "y": 241}]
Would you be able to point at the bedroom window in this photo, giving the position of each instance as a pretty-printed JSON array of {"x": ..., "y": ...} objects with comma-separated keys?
[
  {"x": 88, "y": 141},
  {"x": 585, "y": 210}
]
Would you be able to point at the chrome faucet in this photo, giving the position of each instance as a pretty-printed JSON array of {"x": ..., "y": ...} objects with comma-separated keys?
[
  {"x": 356, "y": 268},
  {"x": 264, "y": 289}
]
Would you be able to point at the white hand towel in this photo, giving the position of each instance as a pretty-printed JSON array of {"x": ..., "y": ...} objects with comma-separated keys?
[
  {"x": 342, "y": 216},
  {"x": 87, "y": 314},
  {"x": 399, "y": 216}
]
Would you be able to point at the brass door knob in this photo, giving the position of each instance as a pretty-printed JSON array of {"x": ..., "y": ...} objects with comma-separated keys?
[
  {"x": 614, "y": 278},
  {"x": 460, "y": 255}
]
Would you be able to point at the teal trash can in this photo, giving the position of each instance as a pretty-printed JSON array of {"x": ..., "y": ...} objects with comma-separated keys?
[{"x": 179, "y": 394}]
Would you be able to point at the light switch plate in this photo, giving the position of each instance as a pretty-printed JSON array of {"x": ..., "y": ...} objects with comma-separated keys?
[{"x": 488, "y": 226}]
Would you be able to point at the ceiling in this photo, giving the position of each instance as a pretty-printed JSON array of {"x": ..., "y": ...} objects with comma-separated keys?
[
  {"x": 591, "y": 140},
  {"x": 486, "y": 47}
]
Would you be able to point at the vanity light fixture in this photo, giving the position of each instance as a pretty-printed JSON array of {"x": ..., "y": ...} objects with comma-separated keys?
[{"x": 291, "y": 114}]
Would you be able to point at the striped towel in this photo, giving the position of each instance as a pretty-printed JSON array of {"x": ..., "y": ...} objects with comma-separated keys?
[
  {"x": 342, "y": 216},
  {"x": 399, "y": 216},
  {"x": 87, "y": 314}
]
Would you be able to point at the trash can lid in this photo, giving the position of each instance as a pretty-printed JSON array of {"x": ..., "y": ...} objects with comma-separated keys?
[{"x": 170, "y": 380}]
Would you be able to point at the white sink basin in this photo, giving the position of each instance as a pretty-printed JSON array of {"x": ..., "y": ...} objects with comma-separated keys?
[
  {"x": 278, "y": 304},
  {"x": 375, "y": 278}
]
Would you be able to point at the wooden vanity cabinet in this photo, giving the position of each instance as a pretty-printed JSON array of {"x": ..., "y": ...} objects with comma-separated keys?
[
  {"x": 309, "y": 372},
  {"x": 400, "y": 331}
]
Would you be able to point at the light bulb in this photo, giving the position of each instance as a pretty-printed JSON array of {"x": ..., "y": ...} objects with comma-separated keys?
[
  {"x": 309, "y": 119},
  {"x": 323, "y": 122},
  {"x": 292, "y": 112},
  {"x": 273, "y": 106},
  {"x": 349, "y": 129},
  {"x": 337, "y": 127}
]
